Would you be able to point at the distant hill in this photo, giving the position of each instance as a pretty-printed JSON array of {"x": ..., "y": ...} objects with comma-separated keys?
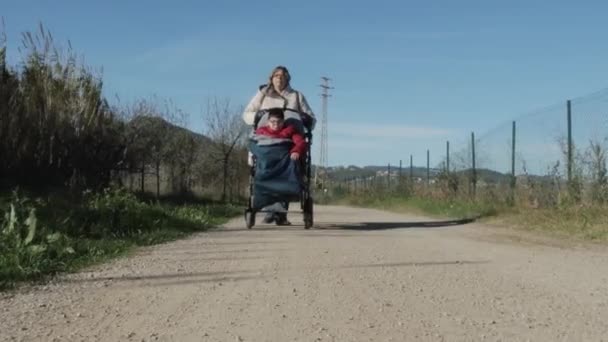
[
  {"x": 490, "y": 176},
  {"x": 350, "y": 172},
  {"x": 170, "y": 129}
]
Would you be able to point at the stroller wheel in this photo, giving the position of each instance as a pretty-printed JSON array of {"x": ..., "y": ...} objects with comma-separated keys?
[
  {"x": 308, "y": 213},
  {"x": 249, "y": 219},
  {"x": 308, "y": 222}
]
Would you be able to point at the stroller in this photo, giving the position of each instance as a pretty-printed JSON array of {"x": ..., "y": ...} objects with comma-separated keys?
[{"x": 274, "y": 177}]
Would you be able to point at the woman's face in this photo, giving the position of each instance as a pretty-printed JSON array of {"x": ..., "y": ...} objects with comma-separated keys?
[{"x": 279, "y": 80}]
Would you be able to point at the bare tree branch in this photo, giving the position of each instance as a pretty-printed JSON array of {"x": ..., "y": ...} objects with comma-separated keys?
[{"x": 226, "y": 129}]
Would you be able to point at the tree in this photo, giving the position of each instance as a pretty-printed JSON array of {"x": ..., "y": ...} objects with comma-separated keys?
[
  {"x": 226, "y": 129},
  {"x": 157, "y": 140},
  {"x": 56, "y": 128}
]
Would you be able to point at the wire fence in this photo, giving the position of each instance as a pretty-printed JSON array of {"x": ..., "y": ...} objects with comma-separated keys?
[{"x": 546, "y": 158}]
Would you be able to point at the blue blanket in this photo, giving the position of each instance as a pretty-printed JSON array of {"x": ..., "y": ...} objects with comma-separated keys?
[{"x": 277, "y": 177}]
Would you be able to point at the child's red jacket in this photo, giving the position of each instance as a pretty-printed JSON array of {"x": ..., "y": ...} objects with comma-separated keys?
[{"x": 287, "y": 132}]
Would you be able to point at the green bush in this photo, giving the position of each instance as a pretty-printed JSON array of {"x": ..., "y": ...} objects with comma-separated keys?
[
  {"x": 45, "y": 236},
  {"x": 27, "y": 247}
]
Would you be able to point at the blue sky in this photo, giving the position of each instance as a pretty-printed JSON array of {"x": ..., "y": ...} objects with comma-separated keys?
[{"x": 408, "y": 75}]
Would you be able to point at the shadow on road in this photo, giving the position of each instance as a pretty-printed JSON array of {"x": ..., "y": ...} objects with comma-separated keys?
[
  {"x": 265, "y": 227},
  {"x": 232, "y": 251},
  {"x": 392, "y": 225},
  {"x": 210, "y": 244},
  {"x": 181, "y": 276},
  {"x": 356, "y": 226},
  {"x": 216, "y": 280},
  {"x": 419, "y": 263}
]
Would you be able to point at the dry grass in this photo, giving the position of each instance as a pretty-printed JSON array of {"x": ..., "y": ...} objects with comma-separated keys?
[
  {"x": 531, "y": 212},
  {"x": 574, "y": 222}
]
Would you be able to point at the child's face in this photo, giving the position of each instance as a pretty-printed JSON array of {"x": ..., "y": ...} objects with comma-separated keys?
[{"x": 275, "y": 123}]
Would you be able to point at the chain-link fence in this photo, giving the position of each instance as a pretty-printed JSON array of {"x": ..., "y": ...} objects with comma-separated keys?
[{"x": 552, "y": 156}]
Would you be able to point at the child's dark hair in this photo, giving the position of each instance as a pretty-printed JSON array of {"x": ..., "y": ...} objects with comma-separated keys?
[{"x": 276, "y": 113}]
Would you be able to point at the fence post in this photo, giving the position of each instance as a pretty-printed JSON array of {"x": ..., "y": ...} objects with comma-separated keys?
[
  {"x": 569, "y": 114},
  {"x": 411, "y": 168},
  {"x": 400, "y": 168},
  {"x": 447, "y": 163},
  {"x": 473, "y": 171},
  {"x": 513, "y": 179},
  {"x": 388, "y": 177},
  {"x": 428, "y": 168}
]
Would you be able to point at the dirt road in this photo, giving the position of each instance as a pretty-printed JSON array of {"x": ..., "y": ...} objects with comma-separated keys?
[{"x": 362, "y": 275}]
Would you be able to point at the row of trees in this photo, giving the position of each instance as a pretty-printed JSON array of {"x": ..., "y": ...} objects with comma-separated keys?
[{"x": 57, "y": 130}]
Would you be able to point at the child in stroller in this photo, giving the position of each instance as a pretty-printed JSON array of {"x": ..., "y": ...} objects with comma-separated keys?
[
  {"x": 281, "y": 167},
  {"x": 276, "y": 128}
]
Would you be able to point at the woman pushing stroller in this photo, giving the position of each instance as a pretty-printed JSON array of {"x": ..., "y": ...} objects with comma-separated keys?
[{"x": 278, "y": 93}]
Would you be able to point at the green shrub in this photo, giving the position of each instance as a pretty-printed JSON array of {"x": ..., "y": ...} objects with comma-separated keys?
[{"x": 45, "y": 236}]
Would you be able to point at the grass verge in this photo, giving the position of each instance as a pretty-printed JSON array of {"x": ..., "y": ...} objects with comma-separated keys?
[
  {"x": 580, "y": 223},
  {"x": 43, "y": 235},
  {"x": 436, "y": 208}
]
